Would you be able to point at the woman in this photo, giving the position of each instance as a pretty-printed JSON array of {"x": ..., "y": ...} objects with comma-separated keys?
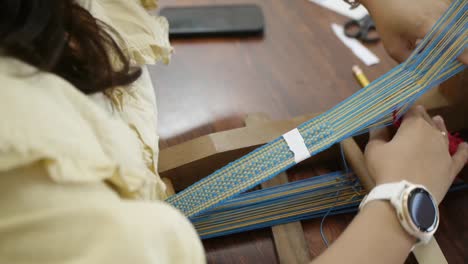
[
  {"x": 78, "y": 178},
  {"x": 75, "y": 155}
]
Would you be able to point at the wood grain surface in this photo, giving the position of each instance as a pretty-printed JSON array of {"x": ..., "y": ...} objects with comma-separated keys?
[{"x": 297, "y": 67}]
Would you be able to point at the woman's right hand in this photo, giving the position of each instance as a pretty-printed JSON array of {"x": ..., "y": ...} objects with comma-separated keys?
[{"x": 418, "y": 153}]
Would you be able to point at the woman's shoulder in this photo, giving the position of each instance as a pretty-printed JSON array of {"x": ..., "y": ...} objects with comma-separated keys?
[
  {"x": 30, "y": 94},
  {"x": 45, "y": 119}
]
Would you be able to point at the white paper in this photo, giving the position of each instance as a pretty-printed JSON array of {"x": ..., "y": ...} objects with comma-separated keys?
[
  {"x": 342, "y": 8},
  {"x": 356, "y": 47},
  {"x": 297, "y": 145}
]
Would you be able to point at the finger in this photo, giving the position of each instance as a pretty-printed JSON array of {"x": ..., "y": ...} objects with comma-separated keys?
[
  {"x": 464, "y": 57},
  {"x": 399, "y": 49},
  {"x": 413, "y": 113},
  {"x": 379, "y": 135},
  {"x": 418, "y": 112},
  {"x": 425, "y": 115},
  {"x": 418, "y": 41},
  {"x": 423, "y": 29},
  {"x": 440, "y": 125},
  {"x": 459, "y": 159}
]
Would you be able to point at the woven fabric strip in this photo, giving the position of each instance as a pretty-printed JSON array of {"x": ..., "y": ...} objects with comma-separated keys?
[
  {"x": 303, "y": 199},
  {"x": 433, "y": 62},
  {"x": 333, "y": 193}
]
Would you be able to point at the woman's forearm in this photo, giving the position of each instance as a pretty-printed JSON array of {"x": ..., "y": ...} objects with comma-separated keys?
[{"x": 374, "y": 236}]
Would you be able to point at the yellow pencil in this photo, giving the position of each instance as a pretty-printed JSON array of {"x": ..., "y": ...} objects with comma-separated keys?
[{"x": 362, "y": 79}]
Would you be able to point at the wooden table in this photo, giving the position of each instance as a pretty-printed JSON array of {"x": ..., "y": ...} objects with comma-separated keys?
[{"x": 298, "y": 67}]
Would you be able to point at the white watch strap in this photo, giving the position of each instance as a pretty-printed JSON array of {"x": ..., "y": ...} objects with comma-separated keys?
[
  {"x": 383, "y": 192},
  {"x": 394, "y": 192}
]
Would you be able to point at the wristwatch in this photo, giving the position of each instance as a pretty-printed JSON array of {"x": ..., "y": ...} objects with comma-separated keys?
[{"x": 416, "y": 208}]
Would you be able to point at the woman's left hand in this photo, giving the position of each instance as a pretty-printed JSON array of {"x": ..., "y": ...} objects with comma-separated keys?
[{"x": 401, "y": 23}]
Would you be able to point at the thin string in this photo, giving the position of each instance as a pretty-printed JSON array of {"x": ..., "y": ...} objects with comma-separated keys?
[
  {"x": 322, "y": 233},
  {"x": 346, "y": 170}
]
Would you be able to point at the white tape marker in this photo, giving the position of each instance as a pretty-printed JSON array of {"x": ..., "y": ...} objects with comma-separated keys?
[{"x": 297, "y": 145}]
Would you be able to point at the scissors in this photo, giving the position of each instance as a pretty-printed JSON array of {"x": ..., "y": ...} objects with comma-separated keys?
[{"x": 362, "y": 29}]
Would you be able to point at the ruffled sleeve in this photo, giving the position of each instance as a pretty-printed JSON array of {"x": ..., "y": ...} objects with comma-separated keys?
[
  {"x": 45, "y": 120},
  {"x": 145, "y": 39},
  {"x": 143, "y": 36}
]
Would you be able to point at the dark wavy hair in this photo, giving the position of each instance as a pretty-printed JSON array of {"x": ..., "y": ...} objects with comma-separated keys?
[{"x": 61, "y": 37}]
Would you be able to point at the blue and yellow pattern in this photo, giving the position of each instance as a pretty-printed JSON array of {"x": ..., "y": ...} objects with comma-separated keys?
[{"x": 434, "y": 61}]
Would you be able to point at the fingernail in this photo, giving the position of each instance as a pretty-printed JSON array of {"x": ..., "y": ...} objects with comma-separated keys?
[{"x": 438, "y": 118}]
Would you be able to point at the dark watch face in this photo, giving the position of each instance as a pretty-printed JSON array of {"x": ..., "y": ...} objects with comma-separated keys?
[{"x": 422, "y": 210}]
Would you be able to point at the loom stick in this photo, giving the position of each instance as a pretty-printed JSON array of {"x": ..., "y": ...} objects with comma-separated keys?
[
  {"x": 430, "y": 253},
  {"x": 357, "y": 161},
  {"x": 289, "y": 239}
]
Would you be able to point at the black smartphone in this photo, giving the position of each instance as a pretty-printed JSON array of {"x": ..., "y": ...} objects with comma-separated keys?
[{"x": 218, "y": 20}]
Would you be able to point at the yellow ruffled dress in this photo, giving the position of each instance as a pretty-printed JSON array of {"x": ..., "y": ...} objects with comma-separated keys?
[{"x": 78, "y": 174}]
